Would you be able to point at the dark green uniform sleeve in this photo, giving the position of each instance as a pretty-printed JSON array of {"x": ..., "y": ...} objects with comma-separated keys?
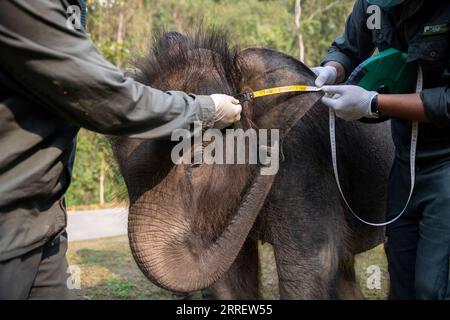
[
  {"x": 437, "y": 102},
  {"x": 61, "y": 69},
  {"x": 355, "y": 45}
]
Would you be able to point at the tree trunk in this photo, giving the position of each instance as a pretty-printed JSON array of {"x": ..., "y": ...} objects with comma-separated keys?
[
  {"x": 102, "y": 180},
  {"x": 120, "y": 35},
  {"x": 177, "y": 20},
  {"x": 298, "y": 17}
]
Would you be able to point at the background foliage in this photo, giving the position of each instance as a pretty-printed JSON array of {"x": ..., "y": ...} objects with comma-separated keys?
[{"x": 122, "y": 30}]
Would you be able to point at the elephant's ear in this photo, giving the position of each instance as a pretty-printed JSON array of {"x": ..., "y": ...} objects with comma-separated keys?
[{"x": 264, "y": 68}]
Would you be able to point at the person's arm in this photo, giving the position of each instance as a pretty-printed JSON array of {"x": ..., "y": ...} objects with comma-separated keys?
[
  {"x": 436, "y": 101},
  {"x": 431, "y": 105},
  {"x": 331, "y": 72},
  {"x": 62, "y": 70},
  {"x": 402, "y": 106},
  {"x": 353, "y": 103},
  {"x": 340, "y": 71}
]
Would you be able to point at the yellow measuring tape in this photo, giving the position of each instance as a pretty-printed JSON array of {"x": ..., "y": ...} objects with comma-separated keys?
[
  {"x": 249, "y": 96},
  {"x": 272, "y": 91}
]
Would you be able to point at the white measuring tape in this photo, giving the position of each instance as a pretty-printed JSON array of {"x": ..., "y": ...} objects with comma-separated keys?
[{"x": 412, "y": 159}]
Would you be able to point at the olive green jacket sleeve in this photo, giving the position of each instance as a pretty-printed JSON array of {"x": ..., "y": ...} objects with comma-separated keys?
[{"x": 62, "y": 70}]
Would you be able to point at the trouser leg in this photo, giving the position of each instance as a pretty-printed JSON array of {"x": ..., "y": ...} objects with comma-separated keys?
[
  {"x": 401, "y": 251},
  {"x": 419, "y": 243},
  {"x": 39, "y": 274},
  {"x": 17, "y": 275},
  {"x": 402, "y": 236},
  {"x": 51, "y": 282},
  {"x": 433, "y": 253}
]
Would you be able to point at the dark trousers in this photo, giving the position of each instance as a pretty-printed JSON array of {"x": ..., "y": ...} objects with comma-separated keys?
[
  {"x": 39, "y": 274},
  {"x": 418, "y": 247}
]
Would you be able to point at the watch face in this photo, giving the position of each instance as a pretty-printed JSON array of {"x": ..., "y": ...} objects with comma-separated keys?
[{"x": 374, "y": 106}]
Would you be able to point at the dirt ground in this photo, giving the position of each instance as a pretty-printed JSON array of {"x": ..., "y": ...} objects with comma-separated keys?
[{"x": 108, "y": 271}]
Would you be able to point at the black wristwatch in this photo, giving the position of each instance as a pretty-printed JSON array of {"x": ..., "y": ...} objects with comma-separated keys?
[{"x": 375, "y": 112}]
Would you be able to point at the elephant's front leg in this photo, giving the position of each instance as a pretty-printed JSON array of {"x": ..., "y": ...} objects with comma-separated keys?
[
  {"x": 306, "y": 273},
  {"x": 241, "y": 282},
  {"x": 347, "y": 287}
]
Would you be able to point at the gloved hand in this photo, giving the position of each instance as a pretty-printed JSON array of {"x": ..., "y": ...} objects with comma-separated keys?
[
  {"x": 325, "y": 75},
  {"x": 227, "y": 111},
  {"x": 349, "y": 102}
]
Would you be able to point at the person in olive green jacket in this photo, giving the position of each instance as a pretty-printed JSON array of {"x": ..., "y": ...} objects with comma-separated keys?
[
  {"x": 418, "y": 246},
  {"x": 53, "y": 81}
]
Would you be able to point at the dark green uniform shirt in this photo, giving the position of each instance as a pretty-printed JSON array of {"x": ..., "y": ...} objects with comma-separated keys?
[
  {"x": 422, "y": 31},
  {"x": 52, "y": 82}
]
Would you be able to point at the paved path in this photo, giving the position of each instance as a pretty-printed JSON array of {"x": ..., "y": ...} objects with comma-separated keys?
[{"x": 95, "y": 224}]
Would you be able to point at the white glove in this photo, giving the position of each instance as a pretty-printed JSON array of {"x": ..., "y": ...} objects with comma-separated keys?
[
  {"x": 325, "y": 75},
  {"x": 349, "y": 102},
  {"x": 227, "y": 111}
]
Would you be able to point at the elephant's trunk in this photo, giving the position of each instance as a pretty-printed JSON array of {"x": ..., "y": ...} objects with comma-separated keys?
[{"x": 173, "y": 256}]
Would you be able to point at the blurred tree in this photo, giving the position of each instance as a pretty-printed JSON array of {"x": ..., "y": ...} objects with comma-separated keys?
[{"x": 95, "y": 176}]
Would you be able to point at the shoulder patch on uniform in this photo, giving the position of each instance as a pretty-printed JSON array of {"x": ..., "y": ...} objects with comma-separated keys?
[{"x": 436, "y": 29}]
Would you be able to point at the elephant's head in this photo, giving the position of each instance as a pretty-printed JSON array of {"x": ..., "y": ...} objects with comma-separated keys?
[{"x": 188, "y": 223}]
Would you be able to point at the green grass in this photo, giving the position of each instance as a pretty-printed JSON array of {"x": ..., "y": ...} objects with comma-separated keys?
[
  {"x": 108, "y": 271},
  {"x": 375, "y": 257}
]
